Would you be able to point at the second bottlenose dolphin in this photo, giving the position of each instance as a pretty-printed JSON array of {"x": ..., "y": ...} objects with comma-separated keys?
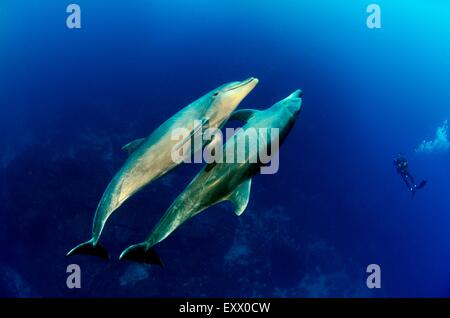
[
  {"x": 223, "y": 181},
  {"x": 150, "y": 158}
]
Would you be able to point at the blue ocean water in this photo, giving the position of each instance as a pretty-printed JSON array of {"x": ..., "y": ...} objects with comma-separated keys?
[{"x": 70, "y": 99}]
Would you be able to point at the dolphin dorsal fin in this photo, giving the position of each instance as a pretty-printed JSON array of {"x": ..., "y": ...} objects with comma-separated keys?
[
  {"x": 241, "y": 196},
  {"x": 132, "y": 146},
  {"x": 243, "y": 114}
]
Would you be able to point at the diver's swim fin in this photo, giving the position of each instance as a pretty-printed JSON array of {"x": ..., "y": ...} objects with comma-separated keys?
[
  {"x": 421, "y": 185},
  {"x": 88, "y": 248},
  {"x": 139, "y": 253}
]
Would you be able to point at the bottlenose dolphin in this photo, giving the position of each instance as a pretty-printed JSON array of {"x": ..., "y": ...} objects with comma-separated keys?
[
  {"x": 218, "y": 182},
  {"x": 150, "y": 158}
]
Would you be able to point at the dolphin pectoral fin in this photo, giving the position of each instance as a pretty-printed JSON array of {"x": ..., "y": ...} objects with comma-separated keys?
[
  {"x": 142, "y": 254},
  {"x": 203, "y": 123},
  {"x": 132, "y": 146},
  {"x": 241, "y": 196},
  {"x": 88, "y": 248},
  {"x": 243, "y": 114}
]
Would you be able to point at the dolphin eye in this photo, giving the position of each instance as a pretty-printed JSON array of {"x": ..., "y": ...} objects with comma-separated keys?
[{"x": 215, "y": 94}]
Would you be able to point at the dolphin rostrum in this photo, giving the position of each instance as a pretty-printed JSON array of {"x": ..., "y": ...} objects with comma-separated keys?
[
  {"x": 222, "y": 181},
  {"x": 150, "y": 158}
]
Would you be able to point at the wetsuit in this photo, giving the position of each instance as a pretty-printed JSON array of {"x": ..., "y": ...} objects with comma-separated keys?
[{"x": 401, "y": 164}]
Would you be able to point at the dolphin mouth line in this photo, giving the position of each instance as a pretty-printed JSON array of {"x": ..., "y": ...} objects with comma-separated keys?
[{"x": 242, "y": 84}]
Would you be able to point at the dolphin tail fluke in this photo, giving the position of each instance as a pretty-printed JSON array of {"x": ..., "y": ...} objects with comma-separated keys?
[
  {"x": 142, "y": 254},
  {"x": 89, "y": 248}
]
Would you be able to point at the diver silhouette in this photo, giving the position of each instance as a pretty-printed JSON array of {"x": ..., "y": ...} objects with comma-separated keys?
[{"x": 401, "y": 164}]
